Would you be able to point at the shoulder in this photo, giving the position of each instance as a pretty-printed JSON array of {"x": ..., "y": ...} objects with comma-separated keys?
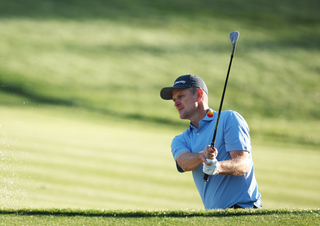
[
  {"x": 231, "y": 117},
  {"x": 230, "y": 114}
]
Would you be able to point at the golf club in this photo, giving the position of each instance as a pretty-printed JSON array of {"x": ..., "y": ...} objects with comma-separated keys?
[{"x": 233, "y": 38}]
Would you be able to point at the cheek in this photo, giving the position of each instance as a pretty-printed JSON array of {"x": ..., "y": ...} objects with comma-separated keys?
[{"x": 195, "y": 103}]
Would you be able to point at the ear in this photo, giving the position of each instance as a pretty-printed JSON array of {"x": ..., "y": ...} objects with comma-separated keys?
[{"x": 200, "y": 94}]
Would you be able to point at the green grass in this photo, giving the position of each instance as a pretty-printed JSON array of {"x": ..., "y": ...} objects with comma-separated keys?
[
  {"x": 57, "y": 157},
  {"x": 164, "y": 217},
  {"x": 83, "y": 126},
  {"x": 64, "y": 160},
  {"x": 83, "y": 55}
]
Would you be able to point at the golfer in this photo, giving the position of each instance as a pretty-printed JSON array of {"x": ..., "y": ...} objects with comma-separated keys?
[{"x": 232, "y": 183}]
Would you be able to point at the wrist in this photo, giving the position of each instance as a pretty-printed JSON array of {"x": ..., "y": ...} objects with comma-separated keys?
[{"x": 201, "y": 157}]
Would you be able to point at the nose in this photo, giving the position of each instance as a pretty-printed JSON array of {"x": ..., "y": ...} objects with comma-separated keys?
[{"x": 176, "y": 103}]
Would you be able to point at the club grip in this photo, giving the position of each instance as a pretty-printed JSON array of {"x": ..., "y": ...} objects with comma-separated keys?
[{"x": 205, "y": 177}]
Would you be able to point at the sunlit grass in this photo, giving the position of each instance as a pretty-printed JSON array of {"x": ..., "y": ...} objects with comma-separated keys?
[
  {"x": 82, "y": 123},
  {"x": 116, "y": 67},
  {"x": 288, "y": 175},
  {"x": 57, "y": 157},
  {"x": 70, "y": 162}
]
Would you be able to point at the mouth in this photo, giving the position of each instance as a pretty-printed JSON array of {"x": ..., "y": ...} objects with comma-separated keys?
[{"x": 180, "y": 109}]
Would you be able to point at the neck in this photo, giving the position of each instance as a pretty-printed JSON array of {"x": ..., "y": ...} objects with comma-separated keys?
[{"x": 197, "y": 118}]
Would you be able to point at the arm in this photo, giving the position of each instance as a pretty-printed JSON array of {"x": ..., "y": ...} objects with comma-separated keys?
[
  {"x": 236, "y": 166},
  {"x": 189, "y": 161}
]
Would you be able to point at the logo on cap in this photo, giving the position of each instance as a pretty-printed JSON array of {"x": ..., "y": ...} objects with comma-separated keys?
[{"x": 181, "y": 81}]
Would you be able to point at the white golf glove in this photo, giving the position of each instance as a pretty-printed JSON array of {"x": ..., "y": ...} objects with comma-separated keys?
[{"x": 213, "y": 168}]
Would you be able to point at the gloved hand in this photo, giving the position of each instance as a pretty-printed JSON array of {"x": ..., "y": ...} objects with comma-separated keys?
[{"x": 213, "y": 168}]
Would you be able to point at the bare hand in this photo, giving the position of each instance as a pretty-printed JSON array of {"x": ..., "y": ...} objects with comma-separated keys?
[{"x": 209, "y": 153}]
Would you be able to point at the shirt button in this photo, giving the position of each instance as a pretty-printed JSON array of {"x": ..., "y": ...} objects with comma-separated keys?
[{"x": 198, "y": 134}]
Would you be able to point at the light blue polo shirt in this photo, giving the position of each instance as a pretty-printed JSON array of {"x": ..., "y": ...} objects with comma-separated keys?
[{"x": 221, "y": 191}]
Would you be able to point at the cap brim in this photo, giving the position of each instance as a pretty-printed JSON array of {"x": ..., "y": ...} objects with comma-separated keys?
[{"x": 166, "y": 93}]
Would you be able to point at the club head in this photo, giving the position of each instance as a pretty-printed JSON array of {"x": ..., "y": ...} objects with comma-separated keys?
[{"x": 234, "y": 37}]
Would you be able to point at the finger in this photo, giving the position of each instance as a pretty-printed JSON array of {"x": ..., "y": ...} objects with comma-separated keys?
[
  {"x": 209, "y": 162},
  {"x": 206, "y": 162},
  {"x": 209, "y": 152},
  {"x": 204, "y": 159},
  {"x": 205, "y": 153},
  {"x": 210, "y": 149},
  {"x": 215, "y": 152}
]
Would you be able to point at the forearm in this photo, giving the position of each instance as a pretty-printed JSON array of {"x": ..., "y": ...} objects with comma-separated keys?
[
  {"x": 189, "y": 161},
  {"x": 234, "y": 167}
]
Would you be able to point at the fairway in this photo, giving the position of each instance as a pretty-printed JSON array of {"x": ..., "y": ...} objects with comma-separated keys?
[
  {"x": 85, "y": 137},
  {"x": 59, "y": 158},
  {"x": 55, "y": 161}
]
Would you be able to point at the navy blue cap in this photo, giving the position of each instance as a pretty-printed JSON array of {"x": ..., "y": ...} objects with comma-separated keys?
[{"x": 183, "y": 82}]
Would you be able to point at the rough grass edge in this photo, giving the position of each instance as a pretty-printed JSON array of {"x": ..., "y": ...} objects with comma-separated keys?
[{"x": 158, "y": 213}]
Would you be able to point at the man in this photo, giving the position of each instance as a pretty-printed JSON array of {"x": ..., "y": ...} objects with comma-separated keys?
[{"x": 232, "y": 183}]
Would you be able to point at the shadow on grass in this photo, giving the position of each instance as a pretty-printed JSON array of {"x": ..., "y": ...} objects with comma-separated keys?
[
  {"x": 35, "y": 98},
  {"x": 164, "y": 213},
  {"x": 269, "y": 13},
  {"x": 21, "y": 91}
]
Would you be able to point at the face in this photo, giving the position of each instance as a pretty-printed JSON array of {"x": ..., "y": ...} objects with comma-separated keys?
[{"x": 185, "y": 102}]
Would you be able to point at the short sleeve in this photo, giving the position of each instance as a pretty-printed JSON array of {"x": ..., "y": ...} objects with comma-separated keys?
[
  {"x": 236, "y": 133},
  {"x": 178, "y": 145}
]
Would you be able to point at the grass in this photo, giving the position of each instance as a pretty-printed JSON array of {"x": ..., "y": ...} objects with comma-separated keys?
[
  {"x": 113, "y": 66},
  {"x": 91, "y": 164},
  {"x": 166, "y": 217},
  {"x": 61, "y": 64},
  {"x": 66, "y": 159},
  {"x": 83, "y": 126}
]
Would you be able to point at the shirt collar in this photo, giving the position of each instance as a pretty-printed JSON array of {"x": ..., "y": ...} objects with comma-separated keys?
[{"x": 209, "y": 115}]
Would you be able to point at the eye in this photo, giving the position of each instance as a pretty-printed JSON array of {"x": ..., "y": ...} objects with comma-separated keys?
[{"x": 178, "y": 97}]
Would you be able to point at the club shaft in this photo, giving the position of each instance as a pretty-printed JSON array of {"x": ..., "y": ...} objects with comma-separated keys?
[{"x": 206, "y": 176}]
